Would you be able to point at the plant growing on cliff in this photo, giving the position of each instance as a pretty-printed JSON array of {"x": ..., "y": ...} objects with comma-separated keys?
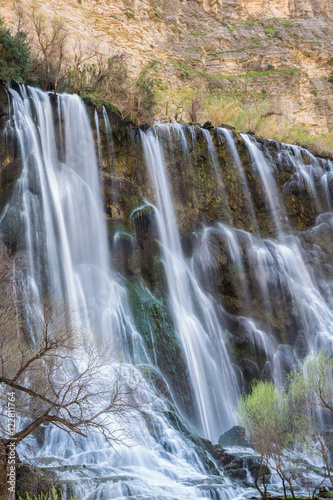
[
  {"x": 15, "y": 57},
  {"x": 108, "y": 81}
]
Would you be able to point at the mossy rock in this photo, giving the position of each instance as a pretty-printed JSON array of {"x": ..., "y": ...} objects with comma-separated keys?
[
  {"x": 9, "y": 174},
  {"x": 31, "y": 482},
  {"x": 154, "y": 324}
]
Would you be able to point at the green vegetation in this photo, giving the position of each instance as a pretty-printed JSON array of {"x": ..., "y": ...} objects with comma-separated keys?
[
  {"x": 238, "y": 50},
  {"x": 270, "y": 31},
  {"x": 250, "y": 74},
  {"x": 52, "y": 495},
  {"x": 111, "y": 85},
  {"x": 288, "y": 22},
  {"x": 256, "y": 114},
  {"x": 15, "y": 58},
  {"x": 311, "y": 396},
  {"x": 106, "y": 82},
  {"x": 264, "y": 413},
  {"x": 290, "y": 419}
]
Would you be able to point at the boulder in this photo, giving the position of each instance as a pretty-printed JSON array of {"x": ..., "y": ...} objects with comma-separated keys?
[
  {"x": 237, "y": 469},
  {"x": 208, "y": 125},
  {"x": 236, "y": 473},
  {"x": 234, "y": 437}
]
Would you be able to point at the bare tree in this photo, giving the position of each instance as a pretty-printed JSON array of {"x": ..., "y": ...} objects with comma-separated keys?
[
  {"x": 195, "y": 106},
  {"x": 53, "y": 375},
  {"x": 51, "y": 39},
  {"x": 78, "y": 72},
  {"x": 19, "y": 16}
]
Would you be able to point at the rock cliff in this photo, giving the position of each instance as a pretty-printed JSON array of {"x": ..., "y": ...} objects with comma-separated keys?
[{"x": 278, "y": 52}]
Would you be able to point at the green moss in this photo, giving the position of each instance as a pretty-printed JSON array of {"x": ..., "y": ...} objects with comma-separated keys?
[
  {"x": 250, "y": 74},
  {"x": 145, "y": 70},
  {"x": 98, "y": 100},
  {"x": 192, "y": 50},
  {"x": 239, "y": 50},
  {"x": 270, "y": 31},
  {"x": 118, "y": 226},
  {"x": 289, "y": 23}
]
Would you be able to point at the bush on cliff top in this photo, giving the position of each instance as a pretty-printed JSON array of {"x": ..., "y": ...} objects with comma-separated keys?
[{"x": 15, "y": 59}]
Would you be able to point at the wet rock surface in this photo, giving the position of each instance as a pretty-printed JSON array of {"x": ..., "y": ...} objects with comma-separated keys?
[{"x": 234, "y": 437}]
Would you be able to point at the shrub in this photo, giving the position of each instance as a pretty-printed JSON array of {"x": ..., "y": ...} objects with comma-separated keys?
[
  {"x": 15, "y": 59},
  {"x": 311, "y": 397},
  {"x": 109, "y": 82},
  {"x": 269, "y": 423}
]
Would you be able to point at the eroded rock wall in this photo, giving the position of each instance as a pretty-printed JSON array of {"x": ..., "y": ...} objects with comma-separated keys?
[{"x": 219, "y": 46}]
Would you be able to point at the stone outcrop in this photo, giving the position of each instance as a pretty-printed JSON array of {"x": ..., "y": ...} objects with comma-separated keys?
[
  {"x": 263, "y": 9},
  {"x": 234, "y": 437}
]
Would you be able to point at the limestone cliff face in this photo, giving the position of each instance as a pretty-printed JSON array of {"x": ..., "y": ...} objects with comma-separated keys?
[
  {"x": 225, "y": 46},
  {"x": 263, "y": 9}
]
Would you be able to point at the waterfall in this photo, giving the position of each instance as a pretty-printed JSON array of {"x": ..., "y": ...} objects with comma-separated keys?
[
  {"x": 60, "y": 204},
  {"x": 98, "y": 139},
  {"x": 109, "y": 139},
  {"x": 203, "y": 340},
  {"x": 227, "y": 134},
  {"x": 276, "y": 208},
  {"x": 57, "y": 201},
  {"x": 283, "y": 262},
  {"x": 232, "y": 303},
  {"x": 216, "y": 165}
]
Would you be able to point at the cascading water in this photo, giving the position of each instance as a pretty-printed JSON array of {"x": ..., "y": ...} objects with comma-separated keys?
[
  {"x": 62, "y": 262},
  {"x": 276, "y": 208},
  {"x": 281, "y": 288},
  {"x": 57, "y": 200},
  {"x": 203, "y": 341},
  {"x": 98, "y": 139},
  {"x": 215, "y": 163},
  {"x": 227, "y": 135},
  {"x": 109, "y": 139},
  {"x": 290, "y": 258}
]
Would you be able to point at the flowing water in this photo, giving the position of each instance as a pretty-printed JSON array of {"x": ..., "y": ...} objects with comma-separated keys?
[
  {"x": 202, "y": 340},
  {"x": 227, "y": 134},
  {"x": 57, "y": 204},
  {"x": 57, "y": 201},
  {"x": 109, "y": 139}
]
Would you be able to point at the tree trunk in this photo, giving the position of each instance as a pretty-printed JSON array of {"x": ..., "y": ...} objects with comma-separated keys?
[
  {"x": 262, "y": 493},
  {"x": 7, "y": 470}
]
